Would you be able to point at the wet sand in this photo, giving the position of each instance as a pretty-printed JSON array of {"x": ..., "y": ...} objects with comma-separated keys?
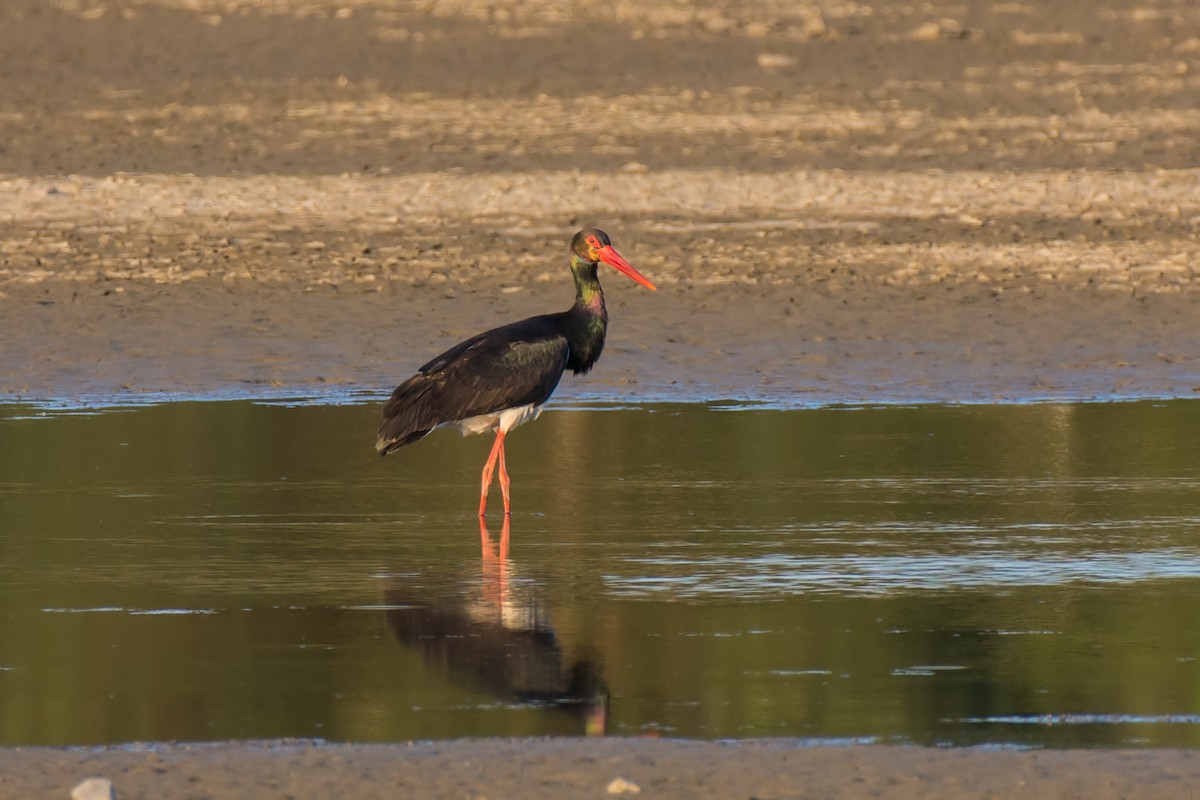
[
  {"x": 856, "y": 203},
  {"x": 840, "y": 202},
  {"x": 794, "y": 293},
  {"x": 541, "y": 768}
]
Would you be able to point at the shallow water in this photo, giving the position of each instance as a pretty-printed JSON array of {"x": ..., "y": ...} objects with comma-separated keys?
[{"x": 955, "y": 575}]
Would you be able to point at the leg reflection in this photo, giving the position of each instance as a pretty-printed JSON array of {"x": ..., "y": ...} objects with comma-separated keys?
[
  {"x": 491, "y": 553},
  {"x": 495, "y": 566},
  {"x": 497, "y": 635}
]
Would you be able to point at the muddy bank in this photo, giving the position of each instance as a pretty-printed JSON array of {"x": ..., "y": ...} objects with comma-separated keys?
[
  {"x": 799, "y": 288},
  {"x": 301, "y": 87},
  {"x": 842, "y": 202},
  {"x": 539, "y": 768}
]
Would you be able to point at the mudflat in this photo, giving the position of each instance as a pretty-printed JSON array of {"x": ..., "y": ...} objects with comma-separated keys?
[
  {"x": 840, "y": 202},
  {"x": 572, "y": 768}
]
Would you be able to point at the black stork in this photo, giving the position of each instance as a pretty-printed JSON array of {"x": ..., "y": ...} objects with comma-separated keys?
[{"x": 501, "y": 378}]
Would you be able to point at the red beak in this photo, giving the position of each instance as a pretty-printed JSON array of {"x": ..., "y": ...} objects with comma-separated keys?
[{"x": 611, "y": 257}]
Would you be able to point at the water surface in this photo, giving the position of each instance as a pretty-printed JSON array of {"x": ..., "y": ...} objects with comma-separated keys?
[{"x": 935, "y": 575}]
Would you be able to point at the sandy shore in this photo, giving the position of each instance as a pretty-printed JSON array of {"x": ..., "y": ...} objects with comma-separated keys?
[
  {"x": 840, "y": 202},
  {"x": 792, "y": 291},
  {"x": 540, "y": 768}
]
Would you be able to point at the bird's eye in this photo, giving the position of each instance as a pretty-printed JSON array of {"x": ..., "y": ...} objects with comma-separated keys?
[{"x": 592, "y": 241}]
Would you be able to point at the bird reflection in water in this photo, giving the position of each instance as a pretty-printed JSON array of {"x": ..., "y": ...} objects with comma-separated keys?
[{"x": 497, "y": 637}]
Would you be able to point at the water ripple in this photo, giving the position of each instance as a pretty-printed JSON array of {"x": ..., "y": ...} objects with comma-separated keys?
[{"x": 777, "y": 574}]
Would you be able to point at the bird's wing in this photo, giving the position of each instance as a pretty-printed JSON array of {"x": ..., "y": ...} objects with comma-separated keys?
[
  {"x": 500, "y": 369},
  {"x": 507, "y": 367}
]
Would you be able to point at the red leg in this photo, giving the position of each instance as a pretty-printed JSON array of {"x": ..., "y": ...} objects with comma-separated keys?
[
  {"x": 488, "y": 468},
  {"x": 504, "y": 482}
]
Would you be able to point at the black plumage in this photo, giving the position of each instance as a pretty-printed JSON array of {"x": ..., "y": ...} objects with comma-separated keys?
[{"x": 506, "y": 367}]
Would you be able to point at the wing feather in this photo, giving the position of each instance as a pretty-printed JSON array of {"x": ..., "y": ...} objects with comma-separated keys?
[{"x": 502, "y": 368}]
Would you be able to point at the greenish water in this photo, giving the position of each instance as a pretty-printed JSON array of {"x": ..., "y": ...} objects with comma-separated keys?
[{"x": 960, "y": 575}]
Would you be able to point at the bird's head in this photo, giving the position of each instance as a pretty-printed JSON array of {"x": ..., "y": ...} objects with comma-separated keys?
[{"x": 593, "y": 245}]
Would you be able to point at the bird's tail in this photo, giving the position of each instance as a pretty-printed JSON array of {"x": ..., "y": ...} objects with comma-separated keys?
[
  {"x": 405, "y": 418},
  {"x": 385, "y": 445}
]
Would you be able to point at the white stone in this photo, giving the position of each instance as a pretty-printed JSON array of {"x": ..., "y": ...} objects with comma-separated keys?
[
  {"x": 94, "y": 789},
  {"x": 622, "y": 786}
]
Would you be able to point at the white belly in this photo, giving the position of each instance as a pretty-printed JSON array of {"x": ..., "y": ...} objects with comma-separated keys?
[{"x": 504, "y": 420}]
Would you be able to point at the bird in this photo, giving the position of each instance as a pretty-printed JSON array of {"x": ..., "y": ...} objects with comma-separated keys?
[{"x": 502, "y": 378}]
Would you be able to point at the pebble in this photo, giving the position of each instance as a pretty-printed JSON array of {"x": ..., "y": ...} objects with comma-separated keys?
[
  {"x": 94, "y": 789},
  {"x": 814, "y": 25},
  {"x": 775, "y": 61},
  {"x": 928, "y": 32},
  {"x": 622, "y": 786}
]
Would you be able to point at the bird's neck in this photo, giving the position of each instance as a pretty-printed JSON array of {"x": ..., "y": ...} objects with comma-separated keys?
[
  {"x": 589, "y": 317},
  {"x": 589, "y": 297}
]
